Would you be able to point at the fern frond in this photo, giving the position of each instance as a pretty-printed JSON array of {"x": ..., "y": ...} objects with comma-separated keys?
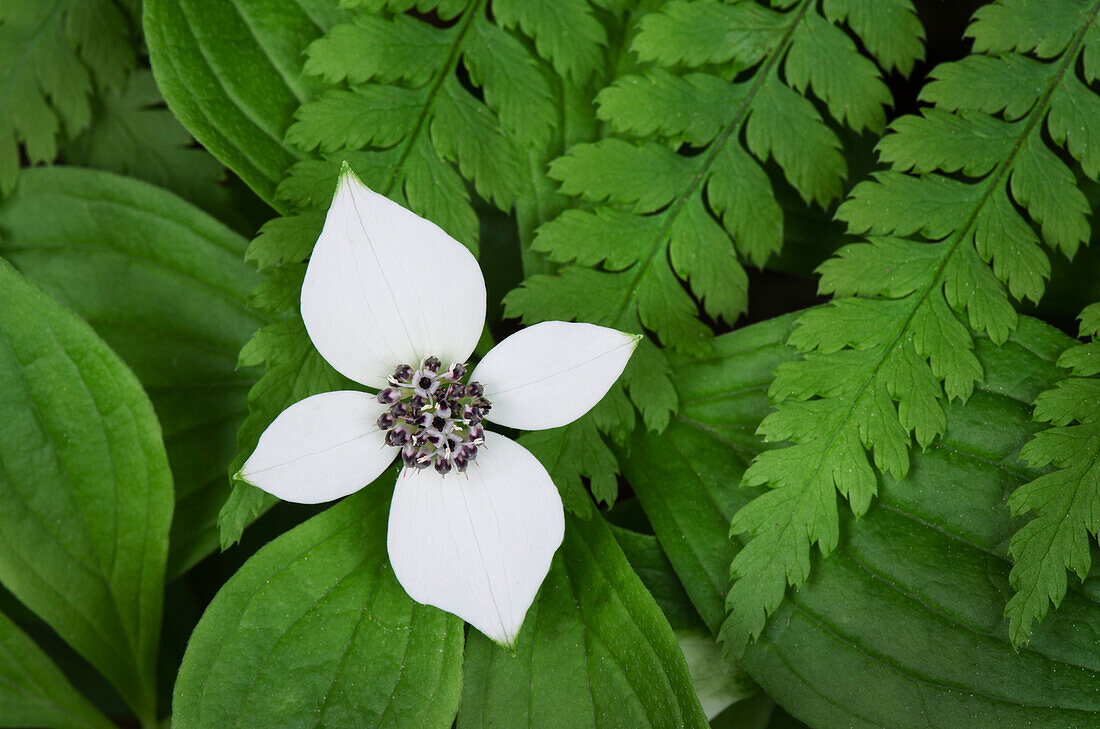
[
  {"x": 658, "y": 217},
  {"x": 944, "y": 257},
  {"x": 54, "y": 54},
  {"x": 1066, "y": 501}
]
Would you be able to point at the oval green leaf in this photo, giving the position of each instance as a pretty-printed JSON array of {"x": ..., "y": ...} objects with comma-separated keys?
[
  {"x": 595, "y": 651},
  {"x": 166, "y": 287},
  {"x": 34, "y": 693},
  {"x": 902, "y": 626},
  {"x": 86, "y": 489},
  {"x": 315, "y": 631},
  {"x": 231, "y": 72}
]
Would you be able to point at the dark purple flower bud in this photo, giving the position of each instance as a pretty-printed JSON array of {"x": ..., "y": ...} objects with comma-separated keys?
[
  {"x": 403, "y": 373},
  {"x": 472, "y": 415},
  {"x": 469, "y": 451},
  {"x": 476, "y": 435},
  {"x": 389, "y": 396},
  {"x": 397, "y": 437},
  {"x": 386, "y": 421},
  {"x": 474, "y": 389},
  {"x": 431, "y": 364},
  {"x": 416, "y": 404},
  {"x": 409, "y": 454},
  {"x": 442, "y": 465},
  {"x": 399, "y": 409},
  {"x": 457, "y": 391},
  {"x": 457, "y": 371},
  {"x": 460, "y": 463}
]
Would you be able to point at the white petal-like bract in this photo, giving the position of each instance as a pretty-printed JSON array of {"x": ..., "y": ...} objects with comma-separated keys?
[
  {"x": 386, "y": 287},
  {"x": 477, "y": 544},
  {"x": 552, "y": 373},
  {"x": 321, "y": 448}
]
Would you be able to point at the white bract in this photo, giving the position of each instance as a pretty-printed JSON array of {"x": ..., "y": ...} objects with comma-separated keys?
[{"x": 390, "y": 301}]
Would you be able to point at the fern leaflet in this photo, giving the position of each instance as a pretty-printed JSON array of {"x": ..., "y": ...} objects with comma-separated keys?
[{"x": 1066, "y": 501}]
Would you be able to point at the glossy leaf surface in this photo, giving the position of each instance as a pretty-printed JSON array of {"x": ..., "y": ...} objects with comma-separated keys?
[
  {"x": 165, "y": 285},
  {"x": 315, "y": 631},
  {"x": 231, "y": 71},
  {"x": 86, "y": 489},
  {"x": 595, "y": 651},
  {"x": 34, "y": 693}
]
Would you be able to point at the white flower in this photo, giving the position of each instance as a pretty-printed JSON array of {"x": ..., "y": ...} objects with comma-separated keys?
[{"x": 393, "y": 302}]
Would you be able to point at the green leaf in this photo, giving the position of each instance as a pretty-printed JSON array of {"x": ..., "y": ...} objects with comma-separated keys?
[
  {"x": 197, "y": 50},
  {"x": 1019, "y": 25},
  {"x": 853, "y": 90},
  {"x": 718, "y": 683},
  {"x": 969, "y": 142},
  {"x": 890, "y": 29},
  {"x": 641, "y": 178},
  {"x": 696, "y": 34},
  {"x": 380, "y": 49},
  {"x": 565, "y": 32},
  {"x": 594, "y": 649},
  {"x": 660, "y": 104},
  {"x": 53, "y": 55},
  {"x": 86, "y": 488},
  {"x": 513, "y": 83},
  {"x": 806, "y": 149},
  {"x": 923, "y": 567},
  {"x": 165, "y": 286},
  {"x": 33, "y": 692},
  {"x": 315, "y": 630},
  {"x": 1011, "y": 84}
]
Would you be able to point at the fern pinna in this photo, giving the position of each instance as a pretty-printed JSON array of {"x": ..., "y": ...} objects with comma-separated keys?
[
  {"x": 953, "y": 230},
  {"x": 1066, "y": 501}
]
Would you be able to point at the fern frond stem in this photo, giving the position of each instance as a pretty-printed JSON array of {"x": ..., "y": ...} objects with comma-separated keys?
[
  {"x": 448, "y": 68},
  {"x": 1036, "y": 116},
  {"x": 734, "y": 126}
]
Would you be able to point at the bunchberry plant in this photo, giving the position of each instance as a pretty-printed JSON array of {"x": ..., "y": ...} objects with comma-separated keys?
[
  {"x": 549, "y": 363},
  {"x": 475, "y": 517}
]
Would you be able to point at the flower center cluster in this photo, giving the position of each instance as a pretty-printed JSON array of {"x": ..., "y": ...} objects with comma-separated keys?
[{"x": 434, "y": 418}]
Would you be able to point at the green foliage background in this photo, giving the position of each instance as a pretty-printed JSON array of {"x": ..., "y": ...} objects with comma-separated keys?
[{"x": 689, "y": 170}]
